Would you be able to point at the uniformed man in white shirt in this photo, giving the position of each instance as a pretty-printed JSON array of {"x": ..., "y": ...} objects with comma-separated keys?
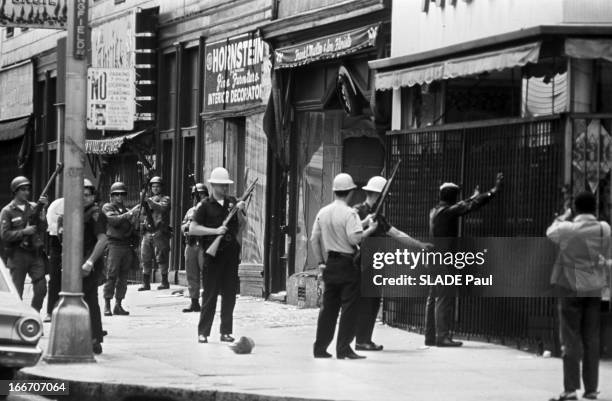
[{"x": 336, "y": 233}]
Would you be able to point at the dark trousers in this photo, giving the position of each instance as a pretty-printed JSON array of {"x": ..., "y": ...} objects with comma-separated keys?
[
  {"x": 90, "y": 296},
  {"x": 55, "y": 272},
  {"x": 368, "y": 311},
  {"x": 342, "y": 279},
  {"x": 579, "y": 320},
  {"x": 119, "y": 261},
  {"x": 24, "y": 262},
  {"x": 220, "y": 278},
  {"x": 438, "y": 314}
]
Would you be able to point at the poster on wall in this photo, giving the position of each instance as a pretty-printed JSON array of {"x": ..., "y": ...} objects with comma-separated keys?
[
  {"x": 110, "y": 99},
  {"x": 47, "y": 14},
  {"x": 16, "y": 89},
  {"x": 237, "y": 73},
  {"x": 113, "y": 43}
]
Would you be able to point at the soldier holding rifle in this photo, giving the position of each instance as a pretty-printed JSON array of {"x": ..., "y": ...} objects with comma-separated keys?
[
  {"x": 22, "y": 225},
  {"x": 218, "y": 220}
]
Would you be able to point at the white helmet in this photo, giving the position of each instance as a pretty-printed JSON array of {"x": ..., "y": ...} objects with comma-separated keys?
[
  {"x": 449, "y": 185},
  {"x": 343, "y": 182},
  {"x": 219, "y": 176},
  {"x": 375, "y": 184}
]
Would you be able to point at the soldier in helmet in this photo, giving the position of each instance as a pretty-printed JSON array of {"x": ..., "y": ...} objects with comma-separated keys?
[
  {"x": 155, "y": 244},
  {"x": 221, "y": 270},
  {"x": 369, "y": 306},
  {"x": 336, "y": 232},
  {"x": 120, "y": 227},
  {"x": 24, "y": 256},
  {"x": 194, "y": 255}
]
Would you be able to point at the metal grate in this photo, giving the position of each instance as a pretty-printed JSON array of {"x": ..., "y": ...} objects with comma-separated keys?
[{"x": 530, "y": 154}]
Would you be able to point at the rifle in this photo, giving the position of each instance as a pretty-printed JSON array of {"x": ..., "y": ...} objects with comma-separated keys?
[
  {"x": 35, "y": 220},
  {"x": 214, "y": 247},
  {"x": 385, "y": 192},
  {"x": 193, "y": 183},
  {"x": 148, "y": 223}
]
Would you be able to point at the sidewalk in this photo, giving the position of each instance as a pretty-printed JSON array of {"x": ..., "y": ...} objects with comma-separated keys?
[{"x": 156, "y": 348}]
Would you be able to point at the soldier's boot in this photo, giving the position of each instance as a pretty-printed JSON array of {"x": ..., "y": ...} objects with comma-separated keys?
[
  {"x": 107, "y": 307},
  {"x": 146, "y": 283},
  {"x": 164, "y": 283},
  {"x": 119, "y": 309},
  {"x": 194, "y": 307}
]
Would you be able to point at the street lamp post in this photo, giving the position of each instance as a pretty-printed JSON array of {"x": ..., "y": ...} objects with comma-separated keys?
[{"x": 70, "y": 339}]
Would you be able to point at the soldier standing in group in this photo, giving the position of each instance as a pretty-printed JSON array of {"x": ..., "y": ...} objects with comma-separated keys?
[
  {"x": 24, "y": 255},
  {"x": 369, "y": 306},
  {"x": 444, "y": 223},
  {"x": 120, "y": 256},
  {"x": 155, "y": 244},
  {"x": 337, "y": 230},
  {"x": 221, "y": 270},
  {"x": 194, "y": 256}
]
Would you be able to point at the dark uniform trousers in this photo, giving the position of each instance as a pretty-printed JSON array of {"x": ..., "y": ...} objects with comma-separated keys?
[
  {"x": 342, "y": 287},
  {"x": 220, "y": 278},
  {"x": 119, "y": 261},
  {"x": 55, "y": 272},
  {"x": 90, "y": 296},
  {"x": 579, "y": 320},
  {"x": 30, "y": 262},
  {"x": 368, "y": 312}
]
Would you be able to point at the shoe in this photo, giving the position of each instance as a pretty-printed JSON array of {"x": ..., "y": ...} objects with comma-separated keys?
[
  {"x": 47, "y": 318},
  {"x": 226, "y": 338},
  {"x": 118, "y": 310},
  {"x": 322, "y": 354},
  {"x": 146, "y": 283},
  {"x": 591, "y": 395},
  {"x": 96, "y": 346},
  {"x": 202, "y": 339},
  {"x": 447, "y": 342},
  {"x": 430, "y": 342},
  {"x": 107, "y": 308},
  {"x": 194, "y": 307},
  {"x": 164, "y": 283},
  {"x": 104, "y": 333},
  {"x": 368, "y": 347},
  {"x": 565, "y": 396},
  {"x": 350, "y": 355}
]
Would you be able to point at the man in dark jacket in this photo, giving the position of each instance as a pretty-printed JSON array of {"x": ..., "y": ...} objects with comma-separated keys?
[{"x": 443, "y": 224}]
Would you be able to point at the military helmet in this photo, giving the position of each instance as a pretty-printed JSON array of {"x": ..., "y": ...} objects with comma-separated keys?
[
  {"x": 156, "y": 180},
  {"x": 19, "y": 182},
  {"x": 88, "y": 184},
  {"x": 118, "y": 187},
  {"x": 199, "y": 187},
  {"x": 343, "y": 182}
]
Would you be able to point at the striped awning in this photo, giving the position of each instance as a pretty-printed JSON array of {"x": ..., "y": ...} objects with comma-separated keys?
[{"x": 109, "y": 146}]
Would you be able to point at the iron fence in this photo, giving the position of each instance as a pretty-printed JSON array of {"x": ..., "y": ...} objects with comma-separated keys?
[{"x": 530, "y": 153}]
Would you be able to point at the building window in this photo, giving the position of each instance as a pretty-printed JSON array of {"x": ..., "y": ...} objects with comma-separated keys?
[
  {"x": 189, "y": 90},
  {"x": 167, "y": 87},
  {"x": 10, "y": 32}
]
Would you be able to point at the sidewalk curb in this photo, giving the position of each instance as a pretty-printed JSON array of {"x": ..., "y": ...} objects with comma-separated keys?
[{"x": 100, "y": 391}]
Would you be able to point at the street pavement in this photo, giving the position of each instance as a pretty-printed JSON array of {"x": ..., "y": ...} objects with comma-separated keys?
[{"x": 156, "y": 348}]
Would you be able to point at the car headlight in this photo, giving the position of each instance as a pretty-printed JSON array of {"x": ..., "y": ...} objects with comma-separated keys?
[{"x": 29, "y": 329}]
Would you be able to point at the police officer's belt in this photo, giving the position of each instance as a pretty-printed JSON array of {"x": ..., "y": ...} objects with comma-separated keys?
[{"x": 334, "y": 254}]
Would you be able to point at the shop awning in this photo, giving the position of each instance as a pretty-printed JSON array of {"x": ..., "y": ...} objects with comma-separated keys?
[
  {"x": 511, "y": 57},
  {"x": 13, "y": 129},
  {"x": 327, "y": 47},
  {"x": 110, "y": 146},
  {"x": 589, "y": 48}
]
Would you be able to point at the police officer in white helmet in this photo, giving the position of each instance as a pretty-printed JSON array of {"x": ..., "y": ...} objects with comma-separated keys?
[{"x": 336, "y": 233}]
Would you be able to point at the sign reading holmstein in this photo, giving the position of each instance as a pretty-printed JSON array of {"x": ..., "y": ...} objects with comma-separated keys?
[
  {"x": 110, "y": 99},
  {"x": 237, "y": 72},
  {"x": 328, "y": 47},
  {"x": 481, "y": 267},
  {"x": 47, "y": 14}
]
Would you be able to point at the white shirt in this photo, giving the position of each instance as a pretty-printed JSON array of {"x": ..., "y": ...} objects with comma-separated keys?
[
  {"x": 339, "y": 227},
  {"x": 55, "y": 210}
]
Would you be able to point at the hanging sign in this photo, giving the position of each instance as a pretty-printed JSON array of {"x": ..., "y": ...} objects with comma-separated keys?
[
  {"x": 237, "y": 73},
  {"x": 328, "y": 47},
  {"x": 46, "y": 14},
  {"x": 110, "y": 99}
]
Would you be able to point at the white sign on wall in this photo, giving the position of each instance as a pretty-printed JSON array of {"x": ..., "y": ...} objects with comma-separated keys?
[
  {"x": 16, "y": 90},
  {"x": 111, "y": 96}
]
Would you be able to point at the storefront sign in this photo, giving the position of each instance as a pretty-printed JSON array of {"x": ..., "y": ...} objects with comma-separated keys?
[
  {"x": 48, "y": 14},
  {"x": 237, "y": 73},
  {"x": 16, "y": 89},
  {"x": 110, "y": 99},
  {"x": 114, "y": 42},
  {"x": 328, "y": 47},
  {"x": 80, "y": 28}
]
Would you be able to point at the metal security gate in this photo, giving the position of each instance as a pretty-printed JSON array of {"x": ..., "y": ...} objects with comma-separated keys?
[{"x": 530, "y": 153}]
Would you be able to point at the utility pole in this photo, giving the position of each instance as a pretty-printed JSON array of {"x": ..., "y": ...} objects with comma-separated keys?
[{"x": 70, "y": 339}]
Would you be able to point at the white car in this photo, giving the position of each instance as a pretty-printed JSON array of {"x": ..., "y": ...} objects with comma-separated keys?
[{"x": 20, "y": 329}]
